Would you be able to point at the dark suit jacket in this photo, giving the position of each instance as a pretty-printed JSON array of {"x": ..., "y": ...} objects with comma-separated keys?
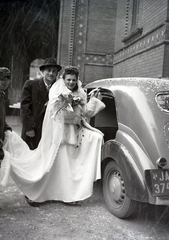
[
  {"x": 2, "y": 115},
  {"x": 3, "y": 124},
  {"x": 33, "y": 99}
]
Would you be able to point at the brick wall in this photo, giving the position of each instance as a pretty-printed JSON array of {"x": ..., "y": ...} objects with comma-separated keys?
[
  {"x": 94, "y": 38},
  {"x": 86, "y": 37},
  {"x": 65, "y": 32},
  {"x": 120, "y": 24},
  {"x": 148, "y": 64},
  {"x": 154, "y": 13},
  {"x": 145, "y": 55}
]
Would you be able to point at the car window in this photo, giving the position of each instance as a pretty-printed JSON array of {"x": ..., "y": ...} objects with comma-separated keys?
[{"x": 106, "y": 120}]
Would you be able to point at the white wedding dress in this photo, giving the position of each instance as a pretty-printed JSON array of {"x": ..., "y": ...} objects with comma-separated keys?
[{"x": 68, "y": 158}]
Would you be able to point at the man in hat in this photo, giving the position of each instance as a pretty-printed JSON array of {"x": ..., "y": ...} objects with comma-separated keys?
[
  {"x": 5, "y": 80},
  {"x": 33, "y": 102}
]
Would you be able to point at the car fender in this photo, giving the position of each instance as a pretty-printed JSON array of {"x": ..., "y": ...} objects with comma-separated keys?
[{"x": 133, "y": 179}]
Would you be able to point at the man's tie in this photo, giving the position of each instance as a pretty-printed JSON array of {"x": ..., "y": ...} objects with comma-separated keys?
[{"x": 48, "y": 87}]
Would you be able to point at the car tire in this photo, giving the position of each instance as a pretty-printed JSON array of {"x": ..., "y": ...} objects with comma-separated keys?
[{"x": 114, "y": 192}]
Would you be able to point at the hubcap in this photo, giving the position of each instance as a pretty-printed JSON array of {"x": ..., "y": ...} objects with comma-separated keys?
[{"x": 116, "y": 187}]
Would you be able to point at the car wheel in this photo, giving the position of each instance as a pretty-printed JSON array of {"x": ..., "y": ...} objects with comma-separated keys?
[{"x": 114, "y": 192}]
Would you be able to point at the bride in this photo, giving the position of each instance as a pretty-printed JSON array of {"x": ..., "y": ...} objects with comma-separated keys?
[{"x": 68, "y": 158}]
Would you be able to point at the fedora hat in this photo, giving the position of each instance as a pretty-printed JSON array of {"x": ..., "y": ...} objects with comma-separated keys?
[{"x": 50, "y": 62}]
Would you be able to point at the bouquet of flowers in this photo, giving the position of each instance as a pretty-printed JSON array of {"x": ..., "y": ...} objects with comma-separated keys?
[{"x": 68, "y": 101}]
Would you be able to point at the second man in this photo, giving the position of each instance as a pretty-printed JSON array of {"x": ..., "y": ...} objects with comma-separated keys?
[{"x": 33, "y": 102}]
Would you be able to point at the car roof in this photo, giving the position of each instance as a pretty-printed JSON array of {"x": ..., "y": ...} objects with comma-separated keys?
[{"x": 145, "y": 85}]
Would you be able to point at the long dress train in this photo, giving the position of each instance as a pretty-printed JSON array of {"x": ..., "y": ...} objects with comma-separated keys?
[{"x": 67, "y": 160}]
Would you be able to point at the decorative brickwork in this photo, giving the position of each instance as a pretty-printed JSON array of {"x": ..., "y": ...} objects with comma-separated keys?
[
  {"x": 72, "y": 32},
  {"x": 144, "y": 43},
  {"x": 127, "y": 18},
  {"x": 80, "y": 32},
  {"x": 85, "y": 55}
]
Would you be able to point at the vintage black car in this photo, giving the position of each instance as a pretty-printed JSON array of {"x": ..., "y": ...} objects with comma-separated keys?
[{"x": 135, "y": 155}]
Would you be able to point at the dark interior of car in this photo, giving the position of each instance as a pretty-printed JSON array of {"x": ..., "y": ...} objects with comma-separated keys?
[{"x": 106, "y": 120}]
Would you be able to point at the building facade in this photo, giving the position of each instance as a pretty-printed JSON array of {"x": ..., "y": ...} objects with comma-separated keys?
[
  {"x": 86, "y": 37},
  {"x": 110, "y": 38},
  {"x": 142, "y": 39}
]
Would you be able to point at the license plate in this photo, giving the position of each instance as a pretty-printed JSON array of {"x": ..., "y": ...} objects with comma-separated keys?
[{"x": 160, "y": 182}]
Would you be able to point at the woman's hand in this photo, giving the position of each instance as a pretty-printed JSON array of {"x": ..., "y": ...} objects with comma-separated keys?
[
  {"x": 30, "y": 133},
  {"x": 96, "y": 93}
]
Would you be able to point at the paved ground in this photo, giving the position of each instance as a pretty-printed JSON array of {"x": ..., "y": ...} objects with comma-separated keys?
[{"x": 90, "y": 220}]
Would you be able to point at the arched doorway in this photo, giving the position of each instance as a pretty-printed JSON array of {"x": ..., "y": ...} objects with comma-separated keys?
[{"x": 34, "y": 71}]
